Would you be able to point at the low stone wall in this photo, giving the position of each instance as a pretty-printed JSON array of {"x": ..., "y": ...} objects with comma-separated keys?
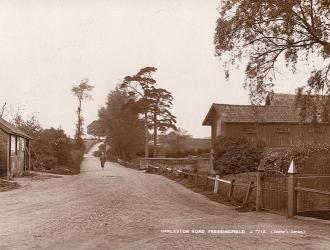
[{"x": 201, "y": 165}]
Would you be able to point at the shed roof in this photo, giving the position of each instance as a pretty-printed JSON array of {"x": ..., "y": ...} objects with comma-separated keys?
[
  {"x": 250, "y": 114},
  {"x": 12, "y": 130}
]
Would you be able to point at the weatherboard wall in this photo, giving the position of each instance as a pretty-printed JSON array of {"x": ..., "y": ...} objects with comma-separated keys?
[
  {"x": 4, "y": 138},
  {"x": 280, "y": 134}
]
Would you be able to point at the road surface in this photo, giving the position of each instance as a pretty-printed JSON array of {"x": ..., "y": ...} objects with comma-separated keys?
[{"x": 121, "y": 208}]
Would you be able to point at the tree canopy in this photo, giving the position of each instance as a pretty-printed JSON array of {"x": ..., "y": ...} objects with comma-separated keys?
[
  {"x": 160, "y": 117},
  {"x": 96, "y": 129},
  {"x": 153, "y": 102},
  {"x": 124, "y": 131},
  {"x": 82, "y": 92},
  {"x": 265, "y": 32},
  {"x": 31, "y": 126}
]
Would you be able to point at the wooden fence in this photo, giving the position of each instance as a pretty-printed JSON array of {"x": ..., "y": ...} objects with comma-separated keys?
[
  {"x": 308, "y": 193},
  {"x": 277, "y": 193},
  {"x": 206, "y": 182}
]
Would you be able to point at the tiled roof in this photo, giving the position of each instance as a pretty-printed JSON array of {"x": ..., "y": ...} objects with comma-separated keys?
[
  {"x": 278, "y": 99},
  {"x": 10, "y": 129},
  {"x": 250, "y": 113}
]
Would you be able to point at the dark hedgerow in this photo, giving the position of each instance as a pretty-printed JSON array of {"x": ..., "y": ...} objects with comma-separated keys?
[
  {"x": 307, "y": 157},
  {"x": 233, "y": 155}
]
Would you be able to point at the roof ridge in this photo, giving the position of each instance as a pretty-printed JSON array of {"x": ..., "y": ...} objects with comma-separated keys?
[
  {"x": 281, "y": 94},
  {"x": 249, "y": 105}
]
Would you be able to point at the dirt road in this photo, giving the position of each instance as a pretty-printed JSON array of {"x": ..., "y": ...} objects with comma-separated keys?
[{"x": 121, "y": 208}]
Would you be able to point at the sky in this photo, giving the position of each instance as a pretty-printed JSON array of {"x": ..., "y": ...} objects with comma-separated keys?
[{"x": 47, "y": 46}]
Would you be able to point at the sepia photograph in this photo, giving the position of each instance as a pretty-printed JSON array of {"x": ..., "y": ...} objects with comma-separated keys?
[{"x": 153, "y": 124}]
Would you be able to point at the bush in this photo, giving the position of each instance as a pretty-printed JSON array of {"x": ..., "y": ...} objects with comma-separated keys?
[
  {"x": 79, "y": 144},
  {"x": 97, "y": 153},
  {"x": 49, "y": 161},
  {"x": 77, "y": 157},
  {"x": 63, "y": 149},
  {"x": 233, "y": 155},
  {"x": 307, "y": 157},
  {"x": 53, "y": 148},
  {"x": 112, "y": 157}
]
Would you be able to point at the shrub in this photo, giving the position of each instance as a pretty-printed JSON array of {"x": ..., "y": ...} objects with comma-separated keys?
[
  {"x": 53, "y": 148},
  {"x": 112, "y": 157},
  {"x": 63, "y": 152},
  {"x": 77, "y": 157},
  {"x": 235, "y": 155},
  {"x": 304, "y": 156},
  {"x": 97, "y": 153},
  {"x": 79, "y": 144},
  {"x": 49, "y": 162}
]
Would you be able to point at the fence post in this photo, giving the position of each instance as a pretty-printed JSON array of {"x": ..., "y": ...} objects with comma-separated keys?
[
  {"x": 195, "y": 179},
  {"x": 292, "y": 193},
  {"x": 260, "y": 179},
  {"x": 231, "y": 189},
  {"x": 248, "y": 193},
  {"x": 146, "y": 163},
  {"x": 216, "y": 184}
]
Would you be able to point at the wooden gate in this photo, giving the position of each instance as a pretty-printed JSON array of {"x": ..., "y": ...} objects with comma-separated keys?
[{"x": 275, "y": 192}]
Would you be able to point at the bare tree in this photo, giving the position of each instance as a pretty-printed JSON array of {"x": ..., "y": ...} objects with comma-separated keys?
[
  {"x": 10, "y": 112},
  {"x": 3, "y": 109}
]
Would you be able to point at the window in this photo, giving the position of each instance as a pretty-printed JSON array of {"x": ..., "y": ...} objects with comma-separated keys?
[
  {"x": 20, "y": 144},
  {"x": 282, "y": 130},
  {"x": 249, "y": 129}
]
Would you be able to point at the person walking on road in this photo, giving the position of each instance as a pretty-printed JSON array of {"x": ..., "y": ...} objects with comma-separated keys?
[{"x": 103, "y": 159}]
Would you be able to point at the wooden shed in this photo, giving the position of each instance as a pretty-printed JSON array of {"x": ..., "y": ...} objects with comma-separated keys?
[
  {"x": 15, "y": 154},
  {"x": 277, "y": 123}
]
